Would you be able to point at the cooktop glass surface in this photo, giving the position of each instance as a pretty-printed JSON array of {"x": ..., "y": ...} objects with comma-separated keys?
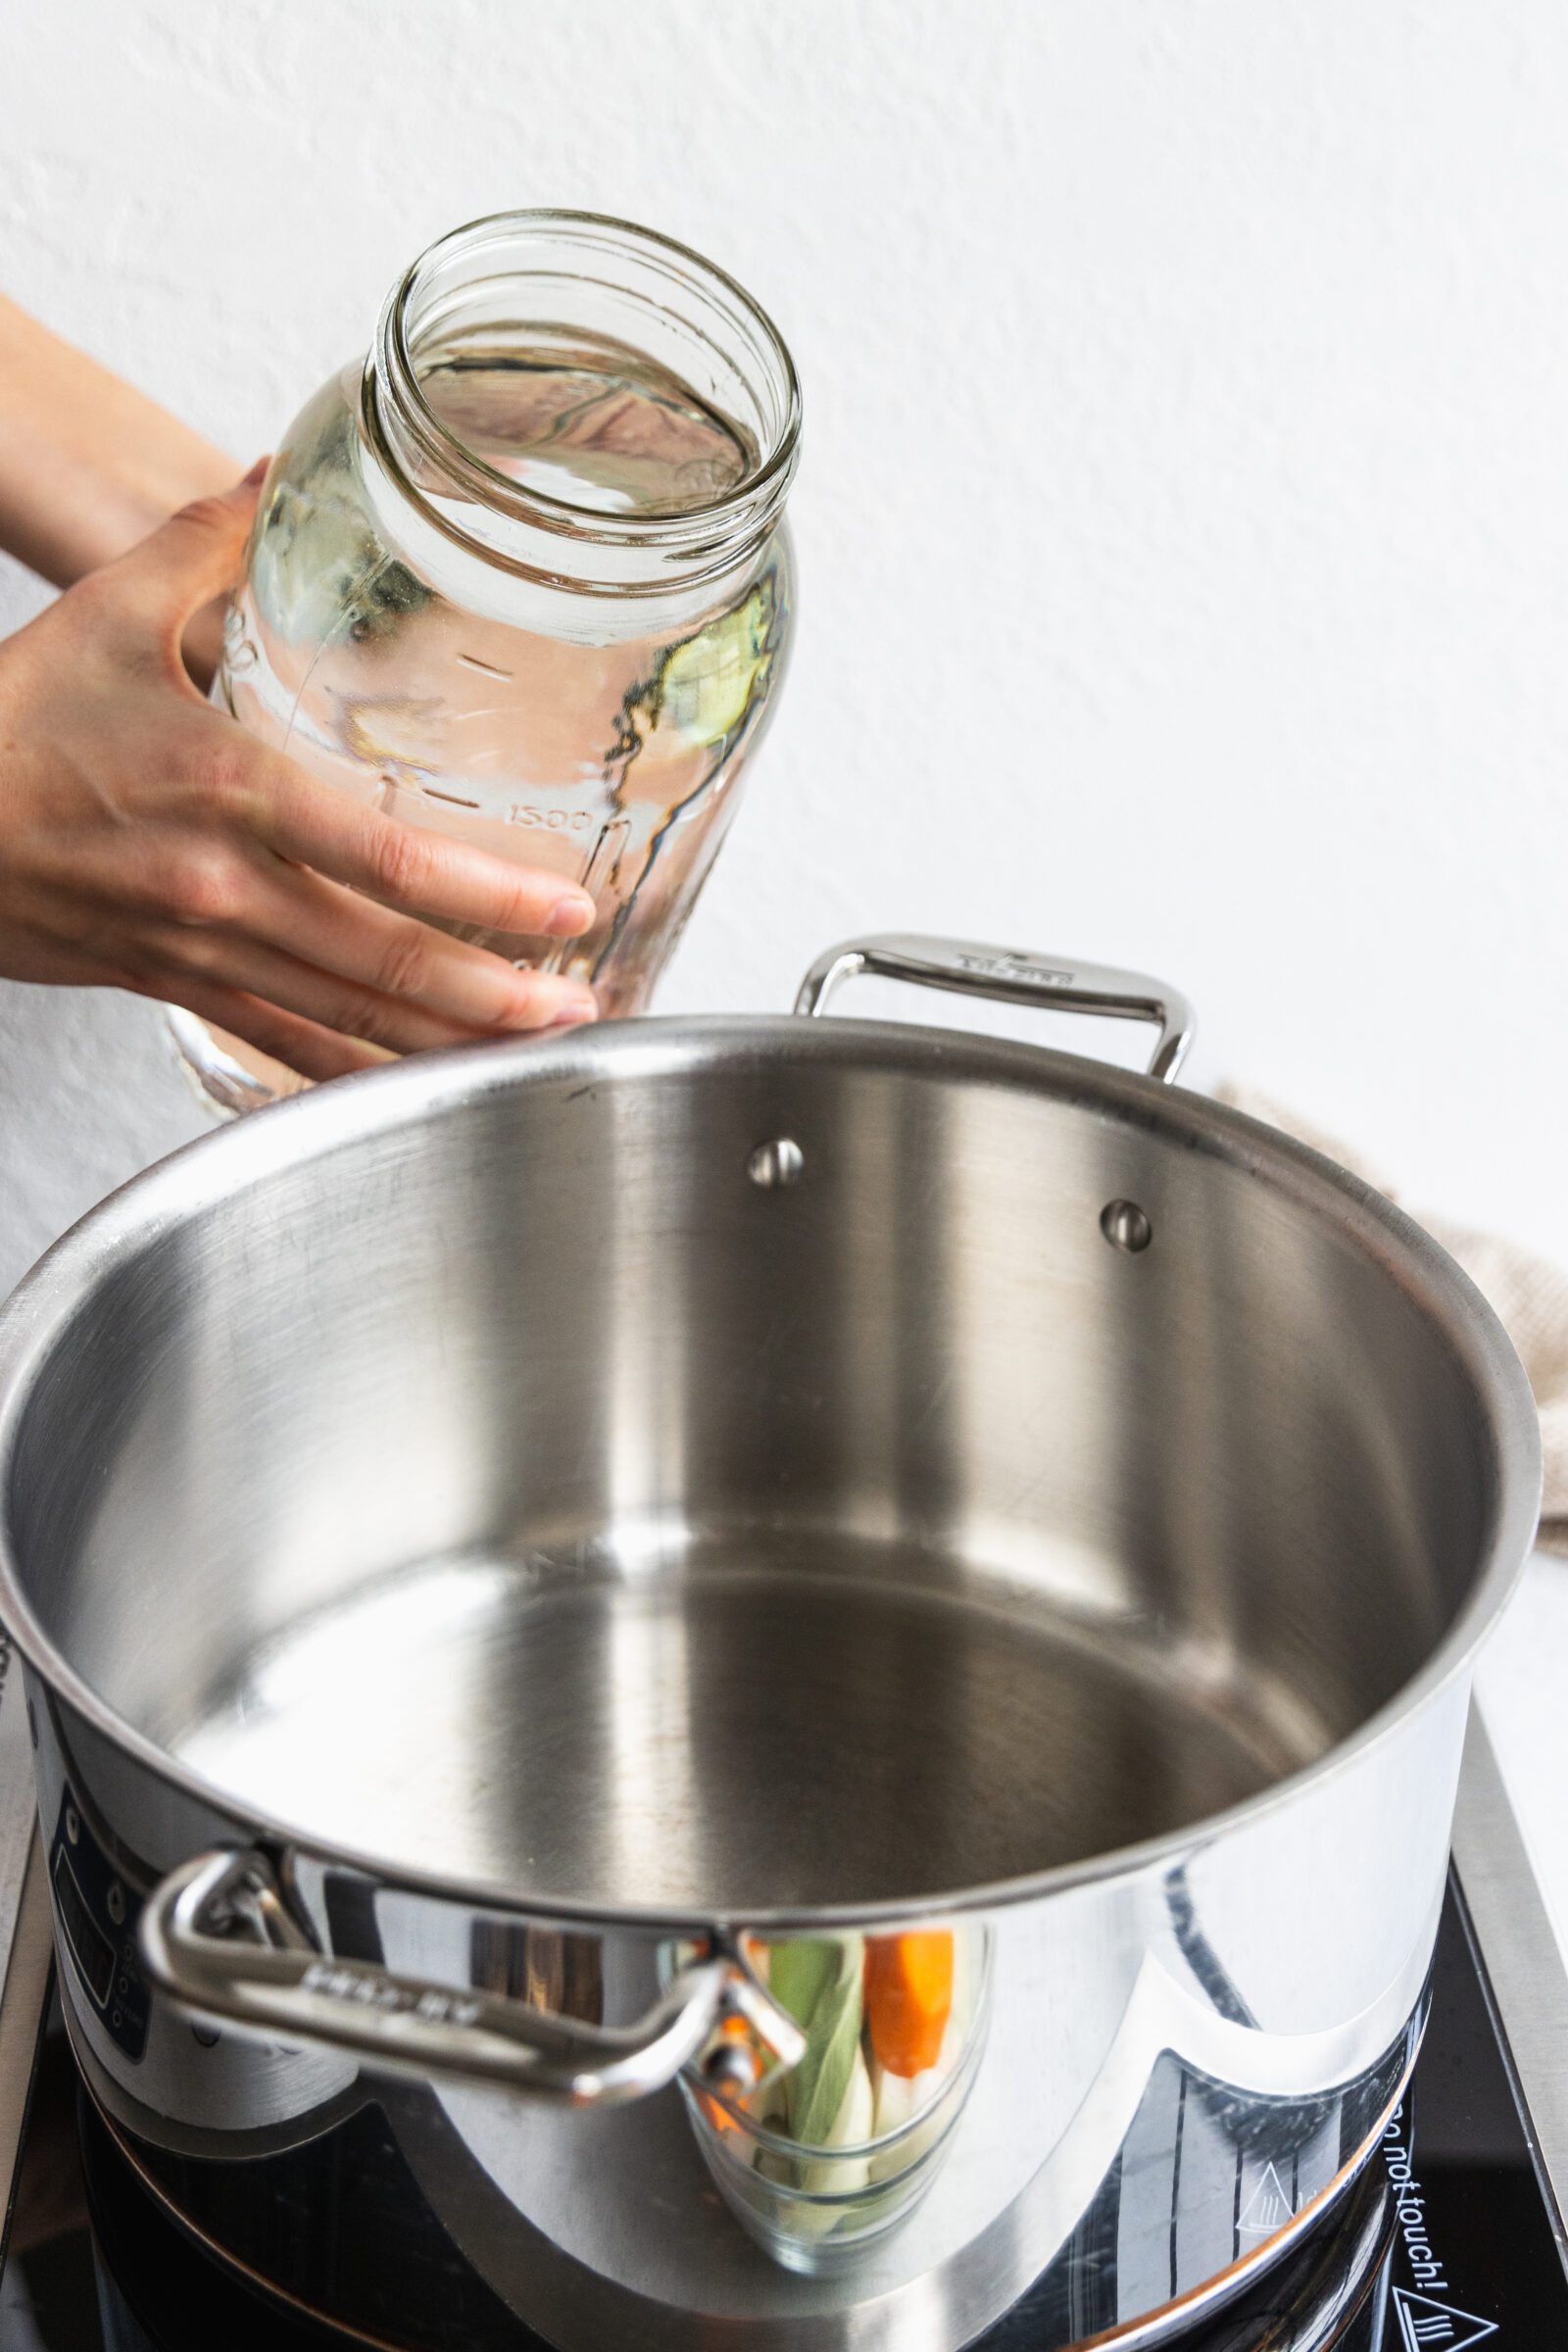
[{"x": 1448, "y": 2239}]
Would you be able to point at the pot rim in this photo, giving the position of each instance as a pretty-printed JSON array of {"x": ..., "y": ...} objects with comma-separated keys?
[{"x": 317, "y": 1123}]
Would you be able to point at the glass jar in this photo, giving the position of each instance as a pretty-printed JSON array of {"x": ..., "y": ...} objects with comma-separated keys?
[
  {"x": 817, "y": 2203},
  {"x": 524, "y": 577}
]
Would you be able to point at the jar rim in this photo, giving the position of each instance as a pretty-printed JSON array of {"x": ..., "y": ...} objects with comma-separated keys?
[{"x": 751, "y": 505}]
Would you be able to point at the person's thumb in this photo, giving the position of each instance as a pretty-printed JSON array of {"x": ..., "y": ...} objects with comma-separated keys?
[{"x": 195, "y": 555}]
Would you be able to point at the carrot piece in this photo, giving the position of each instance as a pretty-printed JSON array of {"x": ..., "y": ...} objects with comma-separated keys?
[
  {"x": 909, "y": 1997},
  {"x": 735, "y": 2031}
]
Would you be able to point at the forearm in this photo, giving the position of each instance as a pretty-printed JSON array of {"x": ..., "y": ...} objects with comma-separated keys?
[{"x": 89, "y": 466}]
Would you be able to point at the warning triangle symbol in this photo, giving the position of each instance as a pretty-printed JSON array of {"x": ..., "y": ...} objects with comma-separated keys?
[
  {"x": 1429, "y": 2326},
  {"x": 1268, "y": 2208}
]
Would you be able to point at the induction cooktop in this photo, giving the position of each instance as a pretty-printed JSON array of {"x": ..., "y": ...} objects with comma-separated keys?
[{"x": 1451, "y": 2237}]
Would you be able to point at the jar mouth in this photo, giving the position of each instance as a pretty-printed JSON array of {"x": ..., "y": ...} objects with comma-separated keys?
[{"x": 552, "y": 276}]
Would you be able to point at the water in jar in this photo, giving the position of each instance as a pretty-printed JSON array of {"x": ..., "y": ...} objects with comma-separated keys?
[{"x": 608, "y": 755}]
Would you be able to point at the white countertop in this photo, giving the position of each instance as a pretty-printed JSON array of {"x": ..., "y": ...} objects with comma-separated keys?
[{"x": 1522, "y": 1690}]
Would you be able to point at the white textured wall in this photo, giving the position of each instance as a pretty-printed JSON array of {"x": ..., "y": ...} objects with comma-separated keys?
[{"x": 1183, "y": 516}]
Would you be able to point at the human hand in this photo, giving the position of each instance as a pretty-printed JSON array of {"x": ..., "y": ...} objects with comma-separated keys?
[{"x": 147, "y": 843}]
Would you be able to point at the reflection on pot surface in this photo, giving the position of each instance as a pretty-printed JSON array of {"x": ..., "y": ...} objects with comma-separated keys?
[{"x": 818, "y": 2159}]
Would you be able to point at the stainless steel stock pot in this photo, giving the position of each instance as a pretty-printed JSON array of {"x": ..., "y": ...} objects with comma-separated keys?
[{"x": 497, "y": 1542}]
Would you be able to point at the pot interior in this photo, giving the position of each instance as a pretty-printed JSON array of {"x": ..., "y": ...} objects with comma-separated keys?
[{"x": 504, "y": 1485}]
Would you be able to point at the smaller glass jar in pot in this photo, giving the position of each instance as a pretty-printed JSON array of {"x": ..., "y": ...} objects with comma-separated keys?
[
  {"x": 523, "y": 578},
  {"x": 817, "y": 2180}
]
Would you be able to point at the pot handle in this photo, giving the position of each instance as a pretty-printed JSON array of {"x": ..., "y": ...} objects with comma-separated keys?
[
  {"x": 218, "y": 1938},
  {"x": 1014, "y": 978}
]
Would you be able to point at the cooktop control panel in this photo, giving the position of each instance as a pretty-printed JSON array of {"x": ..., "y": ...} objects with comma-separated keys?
[{"x": 97, "y": 1913}]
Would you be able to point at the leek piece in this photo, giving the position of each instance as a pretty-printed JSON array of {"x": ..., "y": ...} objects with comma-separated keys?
[{"x": 820, "y": 1983}]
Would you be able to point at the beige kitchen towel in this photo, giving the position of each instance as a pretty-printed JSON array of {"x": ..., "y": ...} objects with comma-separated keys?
[{"x": 1528, "y": 1293}]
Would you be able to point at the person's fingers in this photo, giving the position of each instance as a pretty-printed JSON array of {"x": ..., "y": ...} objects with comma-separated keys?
[
  {"x": 403, "y": 867},
  {"x": 351, "y": 1006},
  {"x": 191, "y": 559},
  {"x": 303, "y": 1046},
  {"x": 344, "y": 932}
]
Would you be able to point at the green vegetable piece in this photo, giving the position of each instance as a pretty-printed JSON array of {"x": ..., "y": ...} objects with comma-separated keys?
[
  {"x": 797, "y": 1974},
  {"x": 820, "y": 1983},
  {"x": 710, "y": 682}
]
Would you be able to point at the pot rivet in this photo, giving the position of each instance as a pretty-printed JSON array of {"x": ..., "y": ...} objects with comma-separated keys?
[
  {"x": 72, "y": 1825},
  {"x": 778, "y": 1162},
  {"x": 1125, "y": 1226},
  {"x": 114, "y": 1903}
]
